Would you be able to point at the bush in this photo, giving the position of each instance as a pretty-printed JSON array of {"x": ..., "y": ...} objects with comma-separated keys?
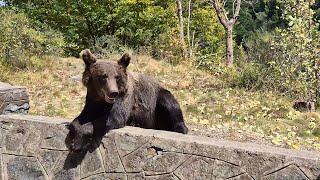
[
  {"x": 108, "y": 46},
  {"x": 22, "y": 45},
  {"x": 247, "y": 77},
  {"x": 288, "y": 62}
]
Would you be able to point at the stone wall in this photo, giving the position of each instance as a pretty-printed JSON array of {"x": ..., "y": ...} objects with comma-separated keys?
[
  {"x": 13, "y": 99},
  {"x": 33, "y": 148}
]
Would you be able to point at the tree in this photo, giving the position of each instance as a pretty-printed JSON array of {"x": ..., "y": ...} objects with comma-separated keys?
[
  {"x": 180, "y": 16},
  {"x": 188, "y": 30},
  {"x": 135, "y": 22},
  {"x": 228, "y": 24}
]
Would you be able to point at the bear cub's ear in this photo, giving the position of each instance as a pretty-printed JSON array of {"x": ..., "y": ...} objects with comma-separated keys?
[
  {"x": 87, "y": 57},
  {"x": 124, "y": 61}
]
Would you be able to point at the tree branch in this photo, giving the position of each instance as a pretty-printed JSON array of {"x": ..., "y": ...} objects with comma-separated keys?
[
  {"x": 237, "y": 12},
  {"x": 224, "y": 3},
  {"x": 219, "y": 13}
]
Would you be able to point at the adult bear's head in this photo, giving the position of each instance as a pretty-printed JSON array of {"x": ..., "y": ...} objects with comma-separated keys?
[{"x": 106, "y": 78}]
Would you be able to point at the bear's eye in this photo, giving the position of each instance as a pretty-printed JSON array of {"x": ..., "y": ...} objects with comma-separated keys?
[
  {"x": 117, "y": 77},
  {"x": 105, "y": 76}
]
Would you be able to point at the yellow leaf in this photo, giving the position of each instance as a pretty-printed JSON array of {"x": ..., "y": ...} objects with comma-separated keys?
[
  {"x": 317, "y": 145},
  {"x": 295, "y": 146},
  {"x": 204, "y": 122},
  {"x": 276, "y": 141},
  {"x": 194, "y": 119}
]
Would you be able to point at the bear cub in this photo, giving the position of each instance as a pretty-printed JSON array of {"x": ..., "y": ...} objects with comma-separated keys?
[{"x": 116, "y": 98}]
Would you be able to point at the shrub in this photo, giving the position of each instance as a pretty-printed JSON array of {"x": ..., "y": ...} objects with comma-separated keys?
[
  {"x": 22, "y": 45},
  {"x": 108, "y": 46},
  {"x": 247, "y": 76}
]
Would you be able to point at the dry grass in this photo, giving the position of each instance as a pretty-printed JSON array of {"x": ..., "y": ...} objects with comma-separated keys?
[{"x": 204, "y": 100}]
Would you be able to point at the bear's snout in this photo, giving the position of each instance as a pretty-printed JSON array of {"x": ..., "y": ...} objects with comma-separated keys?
[
  {"x": 112, "y": 91},
  {"x": 113, "y": 94}
]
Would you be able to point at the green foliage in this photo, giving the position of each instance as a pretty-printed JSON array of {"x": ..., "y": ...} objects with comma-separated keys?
[
  {"x": 256, "y": 15},
  {"x": 209, "y": 33},
  {"x": 107, "y": 46},
  {"x": 289, "y": 58},
  {"x": 247, "y": 77},
  {"x": 133, "y": 22},
  {"x": 21, "y": 45},
  {"x": 168, "y": 46}
]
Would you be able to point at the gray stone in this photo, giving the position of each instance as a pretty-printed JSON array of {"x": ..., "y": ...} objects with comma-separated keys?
[
  {"x": 135, "y": 153},
  {"x": 127, "y": 144},
  {"x": 309, "y": 168},
  {"x": 66, "y": 168},
  {"x": 257, "y": 164},
  {"x": 13, "y": 108},
  {"x": 135, "y": 176},
  {"x": 291, "y": 172},
  {"x": 4, "y": 84},
  {"x": 23, "y": 168},
  {"x": 13, "y": 99},
  {"x": 32, "y": 139},
  {"x": 224, "y": 170},
  {"x": 15, "y": 134},
  {"x": 2, "y": 135},
  {"x": 76, "y": 78},
  {"x": 243, "y": 176},
  {"x": 92, "y": 164},
  {"x": 22, "y": 138},
  {"x": 164, "y": 163},
  {"x": 162, "y": 177},
  {"x": 54, "y": 137},
  {"x": 197, "y": 168},
  {"x": 48, "y": 159},
  {"x": 1, "y": 166},
  {"x": 135, "y": 161},
  {"x": 110, "y": 156},
  {"x": 107, "y": 176}
]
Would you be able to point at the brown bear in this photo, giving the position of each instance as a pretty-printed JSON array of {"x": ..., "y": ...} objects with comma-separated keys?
[{"x": 116, "y": 98}]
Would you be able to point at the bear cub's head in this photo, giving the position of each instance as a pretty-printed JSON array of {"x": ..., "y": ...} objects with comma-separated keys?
[{"x": 106, "y": 78}]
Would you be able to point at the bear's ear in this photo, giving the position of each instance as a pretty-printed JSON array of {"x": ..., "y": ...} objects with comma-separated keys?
[
  {"x": 124, "y": 61},
  {"x": 87, "y": 57}
]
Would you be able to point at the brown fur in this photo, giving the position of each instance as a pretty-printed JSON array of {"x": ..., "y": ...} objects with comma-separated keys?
[{"x": 118, "y": 98}]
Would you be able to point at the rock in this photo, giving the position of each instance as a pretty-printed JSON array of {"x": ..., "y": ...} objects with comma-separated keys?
[
  {"x": 13, "y": 99},
  {"x": 76, "y": 78},
  {"x": 291, "y": 172},
  {"x": 92, "y": 164},
  {"x": 197, "y": 168},
  {"x": 33, "y": 148},
  {"x": 13, "y": 108},
  {"x": 21, "y": 168},
  {"x": 112, "y": 161},
  {"x": 4, "y": 84}
]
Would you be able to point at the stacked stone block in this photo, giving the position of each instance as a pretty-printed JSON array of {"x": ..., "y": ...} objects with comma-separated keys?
[
  {"x": 33, "y": 148},
  {"x": 13, "y": 99}
]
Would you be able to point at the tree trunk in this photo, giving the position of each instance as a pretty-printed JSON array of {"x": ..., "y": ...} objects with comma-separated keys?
[
  {"x": 188, "y": 29},
  {"x": 180, "y": 16},
  {"x": 229, "y": 46},
  {"x": 227, "y": 24}
]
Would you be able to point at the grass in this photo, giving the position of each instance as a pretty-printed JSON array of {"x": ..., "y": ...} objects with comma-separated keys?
[{"x": 204, "y": 99}]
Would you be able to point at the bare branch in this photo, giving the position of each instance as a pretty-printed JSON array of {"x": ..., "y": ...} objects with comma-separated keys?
[
  {"x": 237, "y": 12},
  {"x": 227, "y": 24},
  {"x": 180, "y": 16},
  {"x": 219, "y": 13},
  {"x": 224, "y": 3},
  {"x": 233, "y": 6},
  {"x": 225, "y": 14}
]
